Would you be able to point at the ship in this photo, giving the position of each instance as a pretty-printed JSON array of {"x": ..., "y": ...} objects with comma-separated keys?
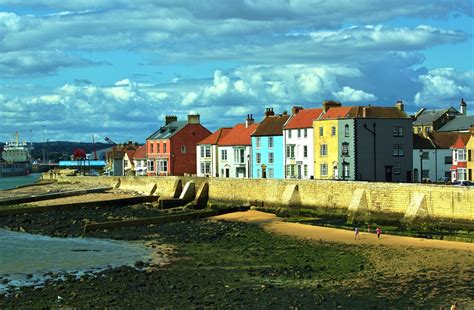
[{"x": 15, "y": 160}]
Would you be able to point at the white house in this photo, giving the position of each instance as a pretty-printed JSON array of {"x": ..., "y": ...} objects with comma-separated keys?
[
  {"x": 139, "y": 161},
  {"x": 207, "y": 154},
  {"x": 299, "y": 144},
  {"x": 234, "y": 160}
]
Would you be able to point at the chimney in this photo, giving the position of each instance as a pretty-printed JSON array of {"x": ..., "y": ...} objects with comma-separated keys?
[
  {"x": 269, "y": 112},
  {"x": 249, "y": 120},
  {"x": 364, "y": 112},
  {"x": 193, "y": 119},
  {"x": 463, "y": 107},
  {"x": 327, "y": 104},
  {"x": 284, "y": 113},
  {"x": 170, "y": 118},
  {"x": 399, "y": 105},
  {"x": 296, "y": 109}
]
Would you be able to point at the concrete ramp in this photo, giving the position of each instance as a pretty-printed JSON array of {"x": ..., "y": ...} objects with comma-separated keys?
[
  {"x": 187, "y": 195},
  {"x": 178, "y": 188},
  {"x": 291, "y": 196},
  {"x": 358, "y": 208},
  {"x": 417, "y": 210},
  {"x": 202, "y": 196},
  {"x": 117, "y": 185}
]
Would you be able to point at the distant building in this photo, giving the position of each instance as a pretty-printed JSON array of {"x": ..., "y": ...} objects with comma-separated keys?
[
  {"x": 363, "y": 143},
  {"x": 207, "y": 153},
  {"x": 139, "y": 161},
  {"x": 299, "y": 143},
  {"x": 267, "y": 146},
  {"x": 171, "y": 150},
  {"x": 235, "y": 151},
  {"x": 118, "y": 159},
  {"x": 459, "y": 168},
  {"x": 426, "y": 121}
]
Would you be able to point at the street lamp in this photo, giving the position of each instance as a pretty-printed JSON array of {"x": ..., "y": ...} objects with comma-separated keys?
[{"x": 421, "y": 165}]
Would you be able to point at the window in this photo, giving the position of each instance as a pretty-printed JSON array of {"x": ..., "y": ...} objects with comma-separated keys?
[
  {"x": 448, "y": 160},
  {"x": 206, "y": 167},
  {"x": 305, "y": 170},
  {"x": 425, "y": 155},
  {"x": 321, "y": 131},
  {"x": 270, "y": 142},
  {"x": 183, "y": 149},
  {"x": 346, "y": 170},
  {"x": 425, "y": 174},
  {"x": 223, "y": 154},
  {"x": 305, "y": 151},
  {"x": 271, "y": 173},
  {"x": 290, "y": 171},
  {"x": 259, "y": 173},
  {"x": 162, "y": 166},
  {"x": 396, "y": 168},
  {"x": 202, "y": 148},
  {"x": 239, "y": 156},
  {"x": 164, "y": 147},
  {"x": 158, "y": 147},
  {"x": 290, "y": 151},
  {"x": 151, "y": 147},
  {"x": 345, "y": 149},
  {"x": 469, "y": 155},
  {"x": 208, "y": 151},
  {"x": 125, "y": 163},
  {"x": 333, "y": 130},
  {"x": 346, "y": 131},
  {"x": 397, "y": 131},
  {"x": 258, "y": 158},
  {"x": 324, "y": 170},
  {"x": 270, "y": 158},
  {"x": 305, "y": 132},
  {"x": 299, "y": 133},
  {"x": 323, "y": 150},
  {"x": 427, "y": 129},
  {"x": 398, "y": 150},
  {"x": 151, "y": 165},
  {"x": 257, "y": 142},
  {"x": 461, "y": 155}
]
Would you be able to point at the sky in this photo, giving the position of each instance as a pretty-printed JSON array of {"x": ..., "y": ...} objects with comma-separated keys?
[{"x": 116, "y": 68}]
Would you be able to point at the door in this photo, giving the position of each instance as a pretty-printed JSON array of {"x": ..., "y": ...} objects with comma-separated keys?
[
  {"x": 299, "y": 171},
  {"x": 388, "y": 173},
  {"x": 227, "y": 172}
]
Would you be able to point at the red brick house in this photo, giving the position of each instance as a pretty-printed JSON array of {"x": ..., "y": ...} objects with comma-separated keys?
[{"x": 171, "y": 150}]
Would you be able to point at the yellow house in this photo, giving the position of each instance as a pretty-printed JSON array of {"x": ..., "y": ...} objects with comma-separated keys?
[
  {"x": 470, "y": 156},
  {"x": 325, "y": 133}
]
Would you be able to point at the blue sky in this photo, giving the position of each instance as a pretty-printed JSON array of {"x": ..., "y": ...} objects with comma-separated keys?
[{"x": 115, "y": 68}]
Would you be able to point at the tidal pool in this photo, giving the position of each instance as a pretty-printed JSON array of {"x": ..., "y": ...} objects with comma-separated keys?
[{"x": 25, "y": 259}]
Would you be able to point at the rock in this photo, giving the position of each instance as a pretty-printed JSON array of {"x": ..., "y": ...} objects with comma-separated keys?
[
  {"x": 139, "y": 264},
  {"x": 21, "y": 229}
]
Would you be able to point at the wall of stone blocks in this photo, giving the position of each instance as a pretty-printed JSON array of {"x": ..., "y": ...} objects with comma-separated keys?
[{"x": 442, "y": 202}]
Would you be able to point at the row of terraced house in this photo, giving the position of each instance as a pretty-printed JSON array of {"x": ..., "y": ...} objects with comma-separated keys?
[{"x": 371, "y": 143}]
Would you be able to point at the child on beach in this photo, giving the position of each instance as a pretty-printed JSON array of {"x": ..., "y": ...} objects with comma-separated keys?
[
  {"x": 379, "y": 232},
  {"x": 356, "y": 232}
]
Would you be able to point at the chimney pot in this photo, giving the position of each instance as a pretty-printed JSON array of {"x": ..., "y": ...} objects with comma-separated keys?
[
  {"x": 269, "y": 112},
  {"x": 399, "y": 105},
  {"x": 194, "y": 119},
  {"x": 327, "y": 104},
  {"x": 170, "y": 118},
  {"x": 463, "y": 107}
]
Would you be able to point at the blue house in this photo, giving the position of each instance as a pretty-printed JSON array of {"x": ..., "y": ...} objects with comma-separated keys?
[{"x": 268, "y": 147}]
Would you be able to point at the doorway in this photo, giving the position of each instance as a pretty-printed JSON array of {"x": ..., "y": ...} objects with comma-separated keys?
[{"x": 388, "y": 173}]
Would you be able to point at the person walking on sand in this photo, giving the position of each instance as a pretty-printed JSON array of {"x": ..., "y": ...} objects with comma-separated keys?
[
  {"x": 379, "y": 232},
  {"x": 356, "y": 233}
]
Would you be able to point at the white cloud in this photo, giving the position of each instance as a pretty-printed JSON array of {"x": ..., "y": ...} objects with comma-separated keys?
[
  {"x": 348, "y": 94},
  {"x": 445, "y": 86}
]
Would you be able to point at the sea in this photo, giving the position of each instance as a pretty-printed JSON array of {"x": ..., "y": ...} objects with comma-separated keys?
[
  {"x": 27, "y": 259},
  {"x": 12, "y": 182}
]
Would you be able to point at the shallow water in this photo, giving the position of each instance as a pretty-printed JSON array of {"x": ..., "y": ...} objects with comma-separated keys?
[
  {"x": 12, "y": 182},
  {"x": 26, "y": 258}
]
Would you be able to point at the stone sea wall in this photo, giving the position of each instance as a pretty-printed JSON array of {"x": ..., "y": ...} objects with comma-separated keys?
[{"x": 357, "y": 200}]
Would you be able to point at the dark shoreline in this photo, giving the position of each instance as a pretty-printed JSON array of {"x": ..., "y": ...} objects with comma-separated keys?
[{"x": 230, "y": 265}]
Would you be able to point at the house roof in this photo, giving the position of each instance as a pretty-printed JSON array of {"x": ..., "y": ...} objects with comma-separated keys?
[
  {"x": 271, "y": 126},
  {"x": 338, "y": 113},
  {"x": 303, "y": 119},
  {"x": 216, "y": 137},
  {"x": 459, "y": 123},
  {"x": 140, "y": 152},
  {"x": 461, "y": 141},
  {"x": 443, "y": 140},
  {"x": 239, "y": 135},
  {"x": 427, "y": 117},
  {"x": 421, "y": 142},
  {"x": 167, "y": 131},
  {"x": 380, "y": 112}
]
